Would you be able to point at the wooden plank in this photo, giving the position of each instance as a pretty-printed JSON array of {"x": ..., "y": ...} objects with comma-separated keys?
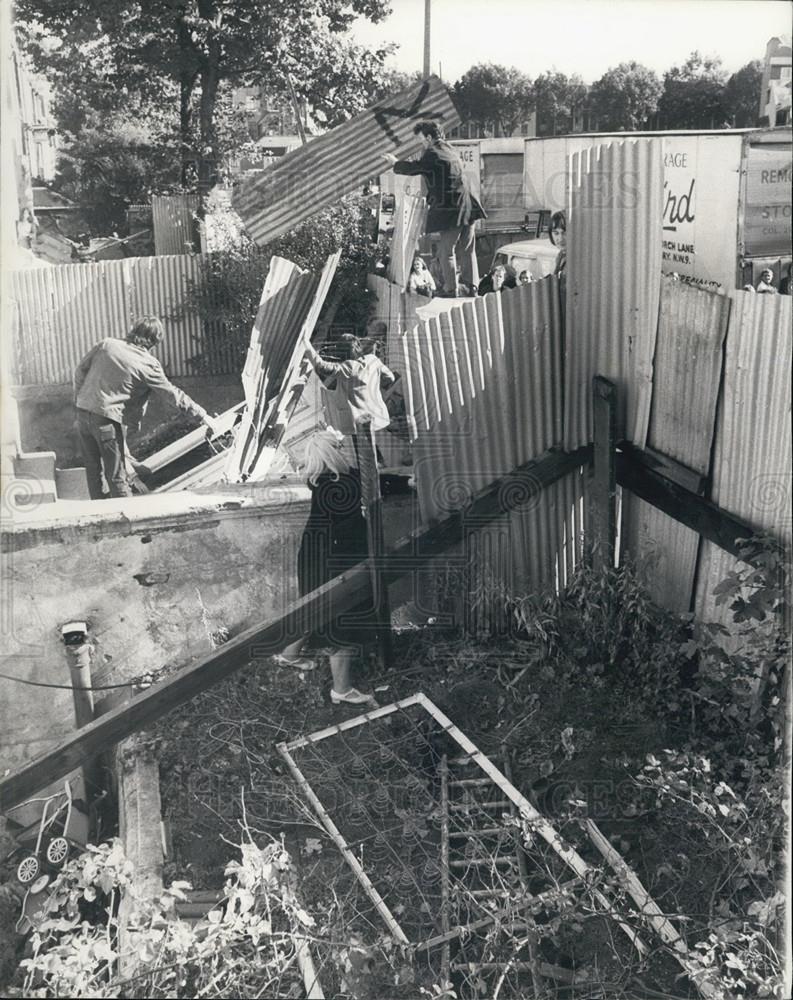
[
  {"x": 375, "y": 539},
  {"x": 604, "y": 486},
  {"x": 194, "y": 439},
  {"x": 641, "y": 476},
  {"x": 263, "y": 639}
]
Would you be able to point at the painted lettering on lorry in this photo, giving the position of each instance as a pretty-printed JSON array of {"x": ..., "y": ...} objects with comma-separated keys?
[{"x": 678, "y": 208}]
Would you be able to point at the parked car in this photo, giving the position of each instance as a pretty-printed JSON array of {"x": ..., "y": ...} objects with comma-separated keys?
[{"x": 538, "y": 257}]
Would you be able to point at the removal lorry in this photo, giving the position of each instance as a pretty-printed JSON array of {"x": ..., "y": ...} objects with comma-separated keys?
[{"x": 727, "y": 198}]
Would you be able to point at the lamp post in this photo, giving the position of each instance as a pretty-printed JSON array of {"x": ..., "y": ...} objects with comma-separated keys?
[{"x": 427, "y": 32}]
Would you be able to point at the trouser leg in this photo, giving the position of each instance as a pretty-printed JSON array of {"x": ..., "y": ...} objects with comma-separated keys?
[
  {"x": 466, "y": 255},
  {"x": 111, "y": 445},
  {"x": 448, "y": 239},
  {"x": 92, "y": 457}
]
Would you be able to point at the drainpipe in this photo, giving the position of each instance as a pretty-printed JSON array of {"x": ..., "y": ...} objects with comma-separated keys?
[{"x": 78, "y": 655}]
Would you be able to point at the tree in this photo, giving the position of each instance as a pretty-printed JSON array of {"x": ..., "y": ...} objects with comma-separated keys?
[
  {"x": 117, "y": 159},
  {"x": 557, "y": 98},
  {"x": 742, "y": 94},
  {"x": 228, "y": 297},
  {"x": 694, "y": 94},
  {"x": 489, "y": 94},
  {"x": 625, "y": 96},
  {"x": 196, "y": 45}
]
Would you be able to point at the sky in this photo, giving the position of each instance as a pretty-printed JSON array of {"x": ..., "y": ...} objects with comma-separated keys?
[{"x": 578, "y": 36}]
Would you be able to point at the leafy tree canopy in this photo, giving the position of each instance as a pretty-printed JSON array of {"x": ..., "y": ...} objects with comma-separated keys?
[
  {"x": 196, "y": 46},
  {"x": 742, "y": 94},
  {"x": 491, "y": 94},
  {"x": 625, "y": 96},
  {"x": 556, "y": 98},
  {"x": 693, "y": 95}
]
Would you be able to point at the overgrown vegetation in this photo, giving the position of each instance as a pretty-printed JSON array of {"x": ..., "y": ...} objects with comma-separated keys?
[
  {"x": 228, "y": 297},
  {"x": 664, "y": 731}
]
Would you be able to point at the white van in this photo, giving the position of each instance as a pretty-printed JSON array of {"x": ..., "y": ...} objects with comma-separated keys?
[{"x": 538, "y": 257}]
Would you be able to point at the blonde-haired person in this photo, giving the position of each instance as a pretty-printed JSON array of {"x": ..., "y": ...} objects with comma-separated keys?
[
  {"x": 420, "y": 281},
  {"x": 112, "y": 385},
  {"x": 333, "y": 541}
]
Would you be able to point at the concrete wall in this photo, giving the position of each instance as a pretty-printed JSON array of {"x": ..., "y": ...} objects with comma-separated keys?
[
  {"x": 46, "y": 413},
  {"x": 154, "y": 579}
]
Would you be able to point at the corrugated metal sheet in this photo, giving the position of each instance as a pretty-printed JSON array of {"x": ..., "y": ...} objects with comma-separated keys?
[
  {"x": 688, "y": 363},
  {"x": 303, "y": 182},
  {"x": 409, "y": 220},
  {"x": 398, "y": 310},
  {"x": 614, "y": 237},
  {"x": 483, "y": 396},
  {"x": 175, "y": 223},
  {"x": 275, "y": 372},
  {"x": 752, "y": 452},
  {"x": 65, "y": 310}
]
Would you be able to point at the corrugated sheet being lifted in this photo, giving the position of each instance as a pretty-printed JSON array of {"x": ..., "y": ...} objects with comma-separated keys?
[
  {"x": 752, "y": 451},
  {"x": 303, "y": 182},
  {"x": 275, "y": 371},
  {"x": 688, "y": 362},
  {"x": 614, "y": 236}
]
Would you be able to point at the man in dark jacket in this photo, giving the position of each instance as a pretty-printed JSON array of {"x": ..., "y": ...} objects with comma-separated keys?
[
  {"x": 111, "y": 388},
  {"x": 453, "y": 208}
]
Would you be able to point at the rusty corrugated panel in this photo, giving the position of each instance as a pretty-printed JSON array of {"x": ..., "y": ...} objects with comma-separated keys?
[
  {"x": 752, "y": 451},
  {"x": 275, "y": 371},
  {"x": 614, "y": 235},
  {"x": 688, "y": 363},
  {"x": 409, "y": 221},
  {"x": 174, "y": 222},
  {"x": 303, "y": 182},
  {"x": 65, "y": 310}
]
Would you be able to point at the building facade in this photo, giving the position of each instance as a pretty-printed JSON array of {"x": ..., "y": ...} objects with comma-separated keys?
[{"x": 776, "y": 86}]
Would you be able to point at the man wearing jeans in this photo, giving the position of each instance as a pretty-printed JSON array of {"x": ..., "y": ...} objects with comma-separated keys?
[
  {"x": 111, "y": 388},
  {"x": 453, "y": 208}
]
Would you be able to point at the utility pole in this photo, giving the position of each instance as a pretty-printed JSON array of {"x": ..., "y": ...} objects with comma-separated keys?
[{"x": 427, "y": 32}]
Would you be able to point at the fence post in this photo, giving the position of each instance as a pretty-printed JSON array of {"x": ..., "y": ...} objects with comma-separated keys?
[
  {"x": 604, "y": 486},
  {"x": 373, "y": 507}
]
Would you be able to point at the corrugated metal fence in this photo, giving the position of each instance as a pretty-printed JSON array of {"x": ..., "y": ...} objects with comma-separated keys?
[
  {"x": 483, "y": 384},
  {"x": 704, "y": 379},
  {"x": 63, "y": 311},
  {"x": 614, "y": 237}
]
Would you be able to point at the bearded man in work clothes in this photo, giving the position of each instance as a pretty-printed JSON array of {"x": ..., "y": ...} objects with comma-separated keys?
[
  {"x": 112, "y": 385},
  {"x": 453, "y": 208}
]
